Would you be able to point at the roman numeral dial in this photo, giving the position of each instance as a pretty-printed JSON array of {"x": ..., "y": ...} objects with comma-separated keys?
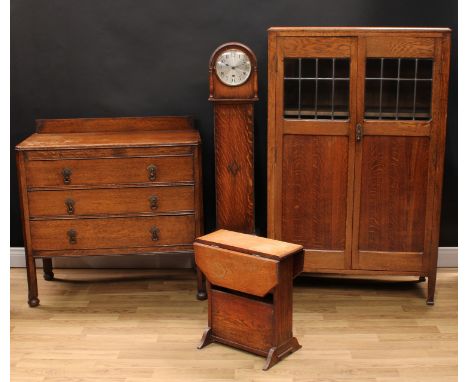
[{"x": 233, "y": 67}]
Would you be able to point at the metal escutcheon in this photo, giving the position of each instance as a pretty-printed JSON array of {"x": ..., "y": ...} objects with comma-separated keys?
[
  {"x": 153, "y": 200},
  {"x": 71, "y": 236},
  {"x": 154, "y": 233},
  {"x": 70, "y": 203},
  {"x": 151, "y": 172},
  {"x": 358, "y": 132},
  {"x": 66, "y": 173}
]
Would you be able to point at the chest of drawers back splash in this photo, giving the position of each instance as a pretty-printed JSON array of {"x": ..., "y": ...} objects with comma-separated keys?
[{"x": 109, "y": 186}]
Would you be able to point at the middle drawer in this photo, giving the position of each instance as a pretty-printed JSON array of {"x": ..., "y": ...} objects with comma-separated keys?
[{"x": 111, "y": 201}]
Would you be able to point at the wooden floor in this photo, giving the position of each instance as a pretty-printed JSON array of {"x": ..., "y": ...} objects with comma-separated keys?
[{"x": 143, "y": 325}]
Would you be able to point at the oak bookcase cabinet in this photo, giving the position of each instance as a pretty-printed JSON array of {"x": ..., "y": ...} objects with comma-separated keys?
[
  {"x": 356, "y": 140},
  {"x": 109, "y": 186}
]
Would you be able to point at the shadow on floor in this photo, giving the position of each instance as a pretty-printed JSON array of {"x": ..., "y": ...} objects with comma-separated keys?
[{"x": 411, "y": 284}]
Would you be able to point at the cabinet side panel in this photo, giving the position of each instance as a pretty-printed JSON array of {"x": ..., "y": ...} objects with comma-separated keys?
[
  {"x": 23, "y": 197},
  {"x": 198, "y": 200},
  {"x": 393, "y": 193},
  {"x": 272, "y": 211},
  {"x": 314, "y": 191}
]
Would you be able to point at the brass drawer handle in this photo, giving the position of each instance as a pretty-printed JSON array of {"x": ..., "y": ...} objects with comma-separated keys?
[
  {"x": 70, "y": 203},
  {"x": 66, "y": 173},
  {"x": 151, "y": 172},
  {"x": 153, "y": 200},
  {"x": 71, "y": 233},
  {"x": 154, "y": 233}
]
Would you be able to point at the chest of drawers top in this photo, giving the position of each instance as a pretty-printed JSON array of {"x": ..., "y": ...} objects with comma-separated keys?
[{"x": 110, "y": 133}]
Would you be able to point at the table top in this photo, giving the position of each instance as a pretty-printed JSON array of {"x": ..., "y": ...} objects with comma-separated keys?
[{"x": 250, "y": 244}]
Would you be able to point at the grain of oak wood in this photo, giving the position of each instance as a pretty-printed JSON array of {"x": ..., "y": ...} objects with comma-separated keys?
[
  {"x": 234, "y": 166},
  {"x": 260, "y": 246},
  {"x": 109, "y": 171},
  {"x": 109, "y": 186},
  {"x": 113, "y": 232},
  {"x": 230, "y": 269},
  {"x": 249, "y": 281},
  {"x": 233, "y": 131},
  {"x": 111, "y": 201},
  {"x": 99, "y": 326},
  {"x": 361, "y": 195}
]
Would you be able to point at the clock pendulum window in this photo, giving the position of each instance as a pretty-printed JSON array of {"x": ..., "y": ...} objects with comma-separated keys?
[{"x": 233, "y": 91}]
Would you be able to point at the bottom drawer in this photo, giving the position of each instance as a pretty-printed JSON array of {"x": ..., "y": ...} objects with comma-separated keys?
[{"x": 112, "y": 233}]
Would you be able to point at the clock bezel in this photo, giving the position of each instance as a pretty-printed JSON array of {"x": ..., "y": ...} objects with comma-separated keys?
[{"x": 220, "y": 53}]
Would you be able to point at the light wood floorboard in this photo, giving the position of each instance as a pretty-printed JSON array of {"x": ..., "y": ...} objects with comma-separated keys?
[{"x": 144, "y": 325}]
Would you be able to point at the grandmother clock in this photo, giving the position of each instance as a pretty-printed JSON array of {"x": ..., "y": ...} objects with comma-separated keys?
[{"x": 233, "y": 91}]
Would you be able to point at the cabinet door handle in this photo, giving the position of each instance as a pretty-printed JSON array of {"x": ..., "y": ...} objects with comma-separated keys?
[
  {"x": 66, "y": 173},
  {"x": 151, "y": 172},
  {"x": 358, "y": 132},
  {"x": 71, "y": 233},
  {"x": 153, "y": 200},
  {"x": 70, "y": 203},
  {"x": 154, "y": 233}
]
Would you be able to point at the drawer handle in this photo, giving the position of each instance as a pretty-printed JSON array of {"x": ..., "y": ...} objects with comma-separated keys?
[
  {"x": 66, "y": 173},
  {"x": 70, "y": 203},
  {"x": 358, "y": 132},
  {"x": 71, "y": 236},
  {"x": 153, "y": 200},
  {"x": 154, "y": 233},
  {"x": 151, "y": 172}
]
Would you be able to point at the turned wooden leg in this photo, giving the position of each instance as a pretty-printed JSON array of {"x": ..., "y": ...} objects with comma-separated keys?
[
  {"x": 33, "y": 300},
  {"x": 422, "y": 279},
  {"x": 206, "y": 338},
  {"x": 47, "y": 269},
  {"x": 431, "y": 288},
  {"x": 201, "y": 285}
]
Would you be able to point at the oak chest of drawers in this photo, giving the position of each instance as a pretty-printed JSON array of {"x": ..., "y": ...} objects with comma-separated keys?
[{"x": 109, "y": 186}]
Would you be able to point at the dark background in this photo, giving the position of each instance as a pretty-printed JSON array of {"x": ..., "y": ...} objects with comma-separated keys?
[{"x": 102, "y": 58}]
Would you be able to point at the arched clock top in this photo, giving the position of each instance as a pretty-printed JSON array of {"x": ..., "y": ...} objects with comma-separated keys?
[{"x": 233, "y": 74}]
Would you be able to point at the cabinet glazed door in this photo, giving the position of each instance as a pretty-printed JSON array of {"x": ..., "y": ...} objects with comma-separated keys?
[
  {"x": 313, "y": 167},
  {"x": 395, "y": 152}
]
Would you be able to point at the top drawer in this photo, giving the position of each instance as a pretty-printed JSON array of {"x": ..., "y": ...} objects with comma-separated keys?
[{"x": 74, "y": 172}]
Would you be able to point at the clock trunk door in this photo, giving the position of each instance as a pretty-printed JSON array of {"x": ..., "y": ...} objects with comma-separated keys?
[
  {"x": 315, "y": 121},
  {"x": 398, "y": 81}
]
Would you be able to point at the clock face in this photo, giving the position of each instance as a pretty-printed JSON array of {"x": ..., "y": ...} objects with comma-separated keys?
[{"x": 233, "y": 67}]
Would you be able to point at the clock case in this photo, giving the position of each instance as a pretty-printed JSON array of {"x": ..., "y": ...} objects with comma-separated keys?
[
  {"x": 233, "y": 141},
  {"x": 246, "y": 92}
]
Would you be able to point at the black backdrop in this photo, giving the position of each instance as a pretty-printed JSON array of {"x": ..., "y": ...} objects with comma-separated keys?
[{"x": 100, "y": 58}]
